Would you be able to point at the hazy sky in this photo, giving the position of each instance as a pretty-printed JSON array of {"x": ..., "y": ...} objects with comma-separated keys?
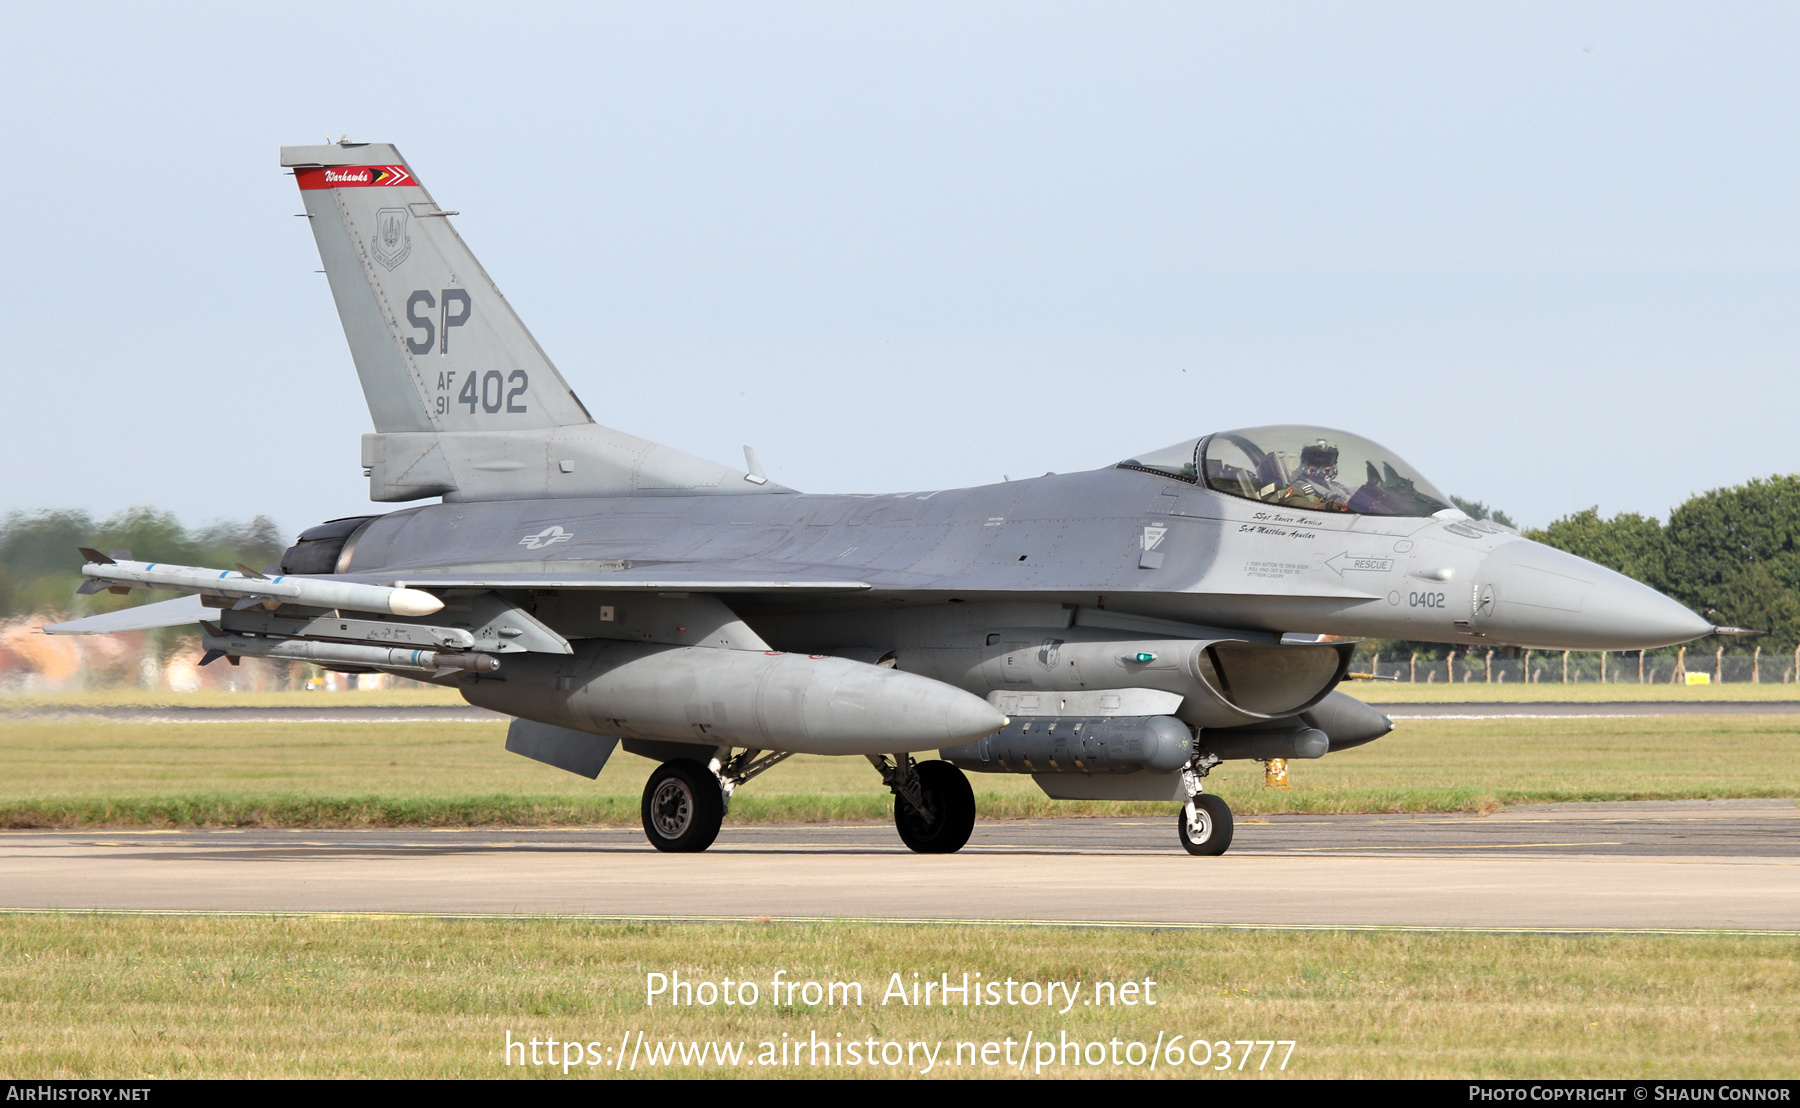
[{"x": 1546, "y": 252}]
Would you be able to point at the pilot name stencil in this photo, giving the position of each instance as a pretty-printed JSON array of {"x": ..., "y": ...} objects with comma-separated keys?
[
  {"x": 1278, "y": 517},
  {"x": 1274, "y": 532}
]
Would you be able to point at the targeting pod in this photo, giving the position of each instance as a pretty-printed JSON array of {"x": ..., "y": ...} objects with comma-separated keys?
[{"x": 1076, "y": 744}]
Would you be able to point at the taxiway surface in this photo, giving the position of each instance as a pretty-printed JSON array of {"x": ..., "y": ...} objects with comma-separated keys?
[{"x": 1678, "y": 865}]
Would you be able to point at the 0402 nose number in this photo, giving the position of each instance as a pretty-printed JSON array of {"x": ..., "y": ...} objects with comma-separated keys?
[{"x": 1425, "y": 599}]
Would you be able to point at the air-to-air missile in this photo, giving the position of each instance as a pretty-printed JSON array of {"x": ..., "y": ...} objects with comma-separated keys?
[
  {"x": 120, "y": 574},
  {"x": 344, "y": 654}
]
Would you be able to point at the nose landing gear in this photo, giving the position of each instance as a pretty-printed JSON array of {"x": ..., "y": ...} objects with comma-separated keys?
[{"x": 1204, "y": 825}]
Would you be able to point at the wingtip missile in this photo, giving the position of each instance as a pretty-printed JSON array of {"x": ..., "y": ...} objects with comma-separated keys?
[{"x": 247, "y": 588}]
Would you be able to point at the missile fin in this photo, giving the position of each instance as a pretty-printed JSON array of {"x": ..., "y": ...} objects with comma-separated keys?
[
  {"x": 120, "y": 590},
  {"x": 93, "y": 585},
  {"x": 211, "y": 657},
  {"x": 248, "y": 572},
  {"x": 93, "y": 555}
]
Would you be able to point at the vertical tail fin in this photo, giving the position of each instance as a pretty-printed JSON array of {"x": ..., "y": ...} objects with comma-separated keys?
[
  {"x": 466, "y": 406},
  {"x": 436, "y": 345}
]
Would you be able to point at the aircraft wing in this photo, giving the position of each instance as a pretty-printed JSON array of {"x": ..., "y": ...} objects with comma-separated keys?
[
  {"x": 168, "y": 613},
  {"x": 670, "y": 578}
]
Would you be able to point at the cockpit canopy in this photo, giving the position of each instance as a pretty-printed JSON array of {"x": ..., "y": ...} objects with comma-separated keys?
[{"x": 1314, "y": 469}]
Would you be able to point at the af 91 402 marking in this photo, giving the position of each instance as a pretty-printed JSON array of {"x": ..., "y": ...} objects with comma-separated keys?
[{"x": 490, "y": 391}]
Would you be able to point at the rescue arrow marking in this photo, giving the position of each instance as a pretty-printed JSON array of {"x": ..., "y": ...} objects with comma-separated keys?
[{"x": 1339, "y": 563}]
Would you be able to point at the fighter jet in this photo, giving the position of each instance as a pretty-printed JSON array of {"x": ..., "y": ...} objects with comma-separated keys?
[{"x": 1114, "y": 634}]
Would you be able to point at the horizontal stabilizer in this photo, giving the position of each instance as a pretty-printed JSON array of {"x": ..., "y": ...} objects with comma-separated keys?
[{"x": 169, "y": 613}]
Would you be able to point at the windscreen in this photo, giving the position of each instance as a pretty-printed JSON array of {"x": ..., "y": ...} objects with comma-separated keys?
[
  {"x": 1310, "y": 468},
  {"x": 1316, "y": 469},
  {"x": 1173, "y": 461}
]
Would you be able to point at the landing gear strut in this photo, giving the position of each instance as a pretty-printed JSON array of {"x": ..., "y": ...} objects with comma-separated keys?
[
  {"x": 934, "y": 807},
  {"x": 1204, "y": 824},
  {"x": 685, "y": 802}
]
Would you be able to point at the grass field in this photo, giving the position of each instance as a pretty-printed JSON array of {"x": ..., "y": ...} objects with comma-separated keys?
[
  {"x": 1439, "y": 692},
  {"x": 110, "y": 996},
  {"x": 82, "y": 772}
]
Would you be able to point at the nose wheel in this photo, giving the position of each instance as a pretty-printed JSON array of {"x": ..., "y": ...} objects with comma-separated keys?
[{"x": 1205, "y": 825}]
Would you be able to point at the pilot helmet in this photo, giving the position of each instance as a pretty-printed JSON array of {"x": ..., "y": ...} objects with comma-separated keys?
[{"x": 1319, "y": 455}]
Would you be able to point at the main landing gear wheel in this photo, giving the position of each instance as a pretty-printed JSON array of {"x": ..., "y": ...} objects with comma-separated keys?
[
  {"x": 682, "y": 808},
  {"x": 952, "y": 802},
  {"x": 1208, "y": 833}
]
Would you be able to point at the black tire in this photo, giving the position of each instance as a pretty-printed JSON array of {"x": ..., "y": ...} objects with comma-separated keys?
[
  {"x": 1213, "y": 835},
  {"x": 948, "y": 794},
  {"x": 682, "y": 808}
]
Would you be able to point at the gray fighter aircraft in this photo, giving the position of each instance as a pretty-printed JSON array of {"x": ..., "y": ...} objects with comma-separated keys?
[{"x": 1114, "y": 633}]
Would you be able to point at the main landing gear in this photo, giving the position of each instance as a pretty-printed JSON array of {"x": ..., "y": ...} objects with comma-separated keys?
[
  {"x": 934, "y": 807},
  {"x": 685, "y": 802},
  {"x": 1204, "y": 824},
  {"x": 683, "y": 807}
]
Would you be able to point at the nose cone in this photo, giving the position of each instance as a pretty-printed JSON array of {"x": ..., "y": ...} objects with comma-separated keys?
[{"x": 1528, "y": 594}]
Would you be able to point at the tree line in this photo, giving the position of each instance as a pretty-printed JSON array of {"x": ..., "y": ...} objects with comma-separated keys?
[{"x": 40, "y": 568}]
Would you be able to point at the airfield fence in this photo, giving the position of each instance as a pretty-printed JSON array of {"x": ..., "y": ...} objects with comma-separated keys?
[{"x": 1621, "y": 667}]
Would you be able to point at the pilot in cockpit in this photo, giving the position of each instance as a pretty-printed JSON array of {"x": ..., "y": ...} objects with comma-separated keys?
[{"x": 1315, "y": 484}]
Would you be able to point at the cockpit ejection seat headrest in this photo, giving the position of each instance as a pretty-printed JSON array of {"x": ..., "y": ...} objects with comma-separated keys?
[{"x": 1319, "y": 455}]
